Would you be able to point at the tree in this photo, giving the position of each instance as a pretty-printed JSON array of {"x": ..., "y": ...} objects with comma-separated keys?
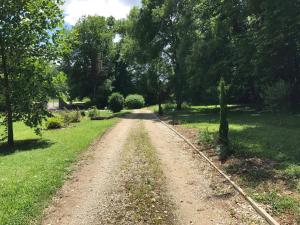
[
  {"x": 160, "y": 32},
  {"x": 88, "y": 59},
  {"x": 60, "y": 88},
  {"x": 224, "y": 128},
  {"x": 26, "y": 31}
]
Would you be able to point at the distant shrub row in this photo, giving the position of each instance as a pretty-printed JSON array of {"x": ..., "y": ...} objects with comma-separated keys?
[{"x": 116, "y": 102}]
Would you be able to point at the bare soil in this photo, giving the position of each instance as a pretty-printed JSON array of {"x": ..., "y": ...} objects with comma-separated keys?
[{"x": 140, "y": 172}]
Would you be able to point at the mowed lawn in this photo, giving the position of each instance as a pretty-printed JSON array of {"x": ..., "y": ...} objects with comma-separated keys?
[
  {"x": 31, "y": 174},
  {"x": 267, "y": 152}
]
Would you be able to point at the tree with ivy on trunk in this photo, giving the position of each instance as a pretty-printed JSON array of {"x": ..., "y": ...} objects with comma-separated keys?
[
  {"x": 224, "y": 127},
  {"x": 27, "y": 29}
]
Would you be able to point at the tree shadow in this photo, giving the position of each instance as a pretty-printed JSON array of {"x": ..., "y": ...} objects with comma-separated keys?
[
  {"x": 253, "y": 171},
  {"x": 264, "y": 144},
  {"x": 24, "y": 145}
]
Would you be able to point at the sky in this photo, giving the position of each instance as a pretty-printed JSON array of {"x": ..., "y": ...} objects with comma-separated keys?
[{"x": 74, "y": 9}]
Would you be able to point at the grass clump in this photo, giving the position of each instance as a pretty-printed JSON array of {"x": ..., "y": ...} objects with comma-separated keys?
[{"x": 279, "y": 203}]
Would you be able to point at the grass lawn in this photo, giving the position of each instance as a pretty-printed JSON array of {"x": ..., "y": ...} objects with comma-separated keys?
[
  {"x": 31, "y": 174},
  {"x": 272, "y": 139}
]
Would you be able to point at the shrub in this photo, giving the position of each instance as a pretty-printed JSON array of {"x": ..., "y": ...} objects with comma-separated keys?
[
  {"x": 71, "y": 116},
  {"x": 77, "y": 117},
  {"x": 54, "y": 123},
  {"x": 116, "y": 102},
  {"x": 134, "y": 101},
  {"x": 276, "y": 97},
  {"x": 93, "y": 112},
  {"x": 205, "y": 136},
  {"x": 169, "y": 106}
]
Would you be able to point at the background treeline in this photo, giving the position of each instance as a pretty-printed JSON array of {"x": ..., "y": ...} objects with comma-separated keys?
[{"x": 178, "y": 50}]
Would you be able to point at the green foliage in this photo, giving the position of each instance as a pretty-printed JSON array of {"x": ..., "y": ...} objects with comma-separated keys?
[
  {"x": 278, "y": 203},
  {"x": 169, "y": 106},
  {"x": 56, "y": 122},
  {"x": 59, "y": 84},
  {"x": 27, "y": 46},
  {"x": 93, "y": 112},
  {"x": 71, "y": 117},
  {"x": 277, "y": 96},
  {"x": 88, "y": 58},
  {"x": 116, "y": 102},
  {"x": 205, "y": 136},
  {"x": 134, "y": 101},
  {"x": 86, "y": 100}
]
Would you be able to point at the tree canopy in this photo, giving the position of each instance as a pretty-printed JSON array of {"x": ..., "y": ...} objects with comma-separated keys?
[{"x": 27, "y": 29}]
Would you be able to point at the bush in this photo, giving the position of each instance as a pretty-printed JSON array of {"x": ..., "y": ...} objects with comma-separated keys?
[
  {"x": 134, "y": 101},
  {"x": 54, "y": 123},
  {"x": 116, "y": 102},
  {"x": 169, "y": 106},
  {"x": 205, "y": 136},
  {"x": 93, "y": 112},
  {"x": 72, "y": 117},
  {"x": 276, "y": 97}
]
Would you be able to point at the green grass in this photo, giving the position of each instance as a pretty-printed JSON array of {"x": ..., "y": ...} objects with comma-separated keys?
[
  {"x": 31, "y": 174},
  {"x": 266, "y": 135}
]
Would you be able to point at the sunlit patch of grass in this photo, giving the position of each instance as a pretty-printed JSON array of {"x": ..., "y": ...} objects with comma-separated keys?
[{"x": 279, "y": 203}]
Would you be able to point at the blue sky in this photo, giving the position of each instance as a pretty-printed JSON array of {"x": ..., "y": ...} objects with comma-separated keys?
[{"x": 74, "y": 9}]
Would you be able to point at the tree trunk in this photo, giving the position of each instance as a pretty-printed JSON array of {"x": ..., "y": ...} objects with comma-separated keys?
[
  {"x": 178, "y": 87},
  {"x": 8, "y": 106},
  {"x": 160, "y": 109}
]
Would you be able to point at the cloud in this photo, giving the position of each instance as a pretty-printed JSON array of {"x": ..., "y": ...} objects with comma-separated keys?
[{"x": 74, "y": 9}]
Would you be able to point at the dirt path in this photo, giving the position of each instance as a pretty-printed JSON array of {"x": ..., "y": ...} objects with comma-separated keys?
[
  {"x": 202, "y": 196},
  {"x": 130, "y": 179},
  {"x": 79, "y": 200}
]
